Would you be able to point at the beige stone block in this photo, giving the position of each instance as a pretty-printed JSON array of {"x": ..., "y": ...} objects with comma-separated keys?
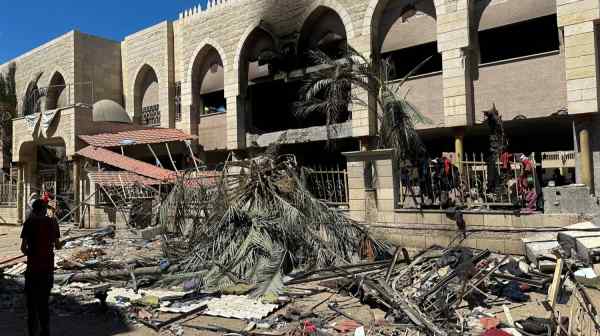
[
  {"x": 357, "y": 205},
  {"x": 579, "y": 17},
  {"x": 403, "y": 218},
  {"x": 499, "y": 220},
  {"x": 474, "y": 220},
  {"x": 430, "y": 218},
  {"x": 386, "y": 217},
  {"x": 514, "y": 247},
  {"x": 580, "y": 61},
  {"x": 436, "y": 239},
  {"x": 385, "y": 194},
  {"x": 580, "y": 50},
  {"x": 455, "y": 120},
  {"x": 531, "y": 221},
  {"x": 416, "y": 241},
  {"x": 579, "y": 39},
  {"x": 385, "y": 182},
  {"x": 582, "y": 72},
  {"x": 495, "y": 245},
  {"x": 579, "y": 28},
  {"x": 581, "y": 84},
  {"x": 556, "y": 220},
  {"x": 356, "y": 183},
  {"x": 583, "y": 106},
  {"x": 385, "y": 205},
  {"x": 358, "y": 216},
  {"x": 356, "y": 194}
]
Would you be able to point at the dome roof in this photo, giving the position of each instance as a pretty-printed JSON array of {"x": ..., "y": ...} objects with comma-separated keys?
[{"x": 108, "y": 110}]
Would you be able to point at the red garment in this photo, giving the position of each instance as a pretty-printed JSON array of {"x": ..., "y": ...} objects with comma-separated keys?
[
  {"x": 505, "y": 159},
  {"x": 446, "y": 166},
  {"x": 495, "y": 332},
  {"x": 41, "y": 233}
]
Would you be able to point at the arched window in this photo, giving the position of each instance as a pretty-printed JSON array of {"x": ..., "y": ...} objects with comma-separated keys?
[
  {"x": 405, "y": 33},
  {"x": 324, "y": 30},
  {"x": 208, "y": 84},
  {"x": 57, "y": 93},
  {"x": 515, "y": 28},
  {"x": 147, "y": 108},
  {"x": 32, "y": 102}
]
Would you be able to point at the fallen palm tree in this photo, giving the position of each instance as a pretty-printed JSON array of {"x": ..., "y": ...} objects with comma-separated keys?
[{"x": 257, "y": 224}]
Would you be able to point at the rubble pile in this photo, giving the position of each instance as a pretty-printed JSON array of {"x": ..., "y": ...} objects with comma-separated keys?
[{"x": 256, "y": 254}]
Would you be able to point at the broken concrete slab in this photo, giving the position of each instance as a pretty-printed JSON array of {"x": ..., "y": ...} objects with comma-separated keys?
[{"x": 584, "y": 244}]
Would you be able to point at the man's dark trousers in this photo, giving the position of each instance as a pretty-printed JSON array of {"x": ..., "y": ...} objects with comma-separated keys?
[{"x": 37, "y": 291}]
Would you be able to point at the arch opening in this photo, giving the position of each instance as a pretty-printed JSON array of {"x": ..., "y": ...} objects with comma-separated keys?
[
  {"x": 57, "y": 93},
  {"x": 33, "y": 100},
  {"x": 323, "y": 30},
  {"x": 405, "y": 33},
  {"x": 146, "y": 97},
  {"x": 208, "y": 82}
]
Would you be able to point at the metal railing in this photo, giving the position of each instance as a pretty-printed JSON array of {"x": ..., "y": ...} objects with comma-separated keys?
[
  {"x": 8, "y": 194},
  {"x": 328, "y": 184},
  {"x": 560, "y": 159},
  {"x": 47, "y": 98},
  {"x": 469, "y": 183}
]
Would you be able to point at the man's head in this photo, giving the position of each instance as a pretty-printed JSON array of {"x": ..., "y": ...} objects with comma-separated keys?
[{"x": 39, "y": 207}]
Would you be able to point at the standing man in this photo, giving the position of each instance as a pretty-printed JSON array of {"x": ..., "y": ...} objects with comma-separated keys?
[{"x": 40, "y": 237}]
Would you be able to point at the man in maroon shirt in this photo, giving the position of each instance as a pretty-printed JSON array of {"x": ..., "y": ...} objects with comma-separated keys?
[{"x": 40, "y": 237}]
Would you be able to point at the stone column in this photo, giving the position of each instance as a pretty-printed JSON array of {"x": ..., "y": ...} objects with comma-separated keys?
[
  {"x": 236, "y": 122},
  {"x": 20, "y": 195},
  {"x": 76, "y": 191},
  {"x": 578, "y": 19},
  {"x": 585, "y": 157},
  {"x": 454, "y": 43},
  {"x": 458, "y": 148}
]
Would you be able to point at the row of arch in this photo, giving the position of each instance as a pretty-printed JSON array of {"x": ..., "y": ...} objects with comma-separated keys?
[
  {"x": 387, "y": 23},
  {"x": 52, "y": 96}
]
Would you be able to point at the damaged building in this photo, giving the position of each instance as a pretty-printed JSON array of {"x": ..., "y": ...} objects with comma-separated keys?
[{"x": 106, "y": 124}]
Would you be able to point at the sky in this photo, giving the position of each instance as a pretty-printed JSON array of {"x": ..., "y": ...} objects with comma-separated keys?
[{"x": 25, "y": 25}]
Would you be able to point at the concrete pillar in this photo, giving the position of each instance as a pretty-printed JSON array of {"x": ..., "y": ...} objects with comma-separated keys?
[
  {"x": 454, "y": 44},
  {"x": 458, "y": 148},
  {"x": 578, "y": 20},
  {"x": 20, "y": 195},
  {"x": 77, "y": 191},
  {"x": 586, "y": 158}
]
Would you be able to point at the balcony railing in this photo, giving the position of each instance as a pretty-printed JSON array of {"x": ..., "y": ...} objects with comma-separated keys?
[
  {"x": 150, "y": 115},
  {"x": 54, "y": 96},
  {"x": 8, "y": 194},
  {"x": 470, "y": 183}
]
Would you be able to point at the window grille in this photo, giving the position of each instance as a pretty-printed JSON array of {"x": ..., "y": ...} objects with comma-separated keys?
[{"x": 150, "y": 115}]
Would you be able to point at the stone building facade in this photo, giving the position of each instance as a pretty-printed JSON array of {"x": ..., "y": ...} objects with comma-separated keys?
[{"x": 535, "y": 60}]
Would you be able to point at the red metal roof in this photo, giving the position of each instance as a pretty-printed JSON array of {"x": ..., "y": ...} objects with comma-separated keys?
[
  {"x": 136, "y": 137},
  {"x": 117, "y": 178},
  {"x": 126, "y": 163}
]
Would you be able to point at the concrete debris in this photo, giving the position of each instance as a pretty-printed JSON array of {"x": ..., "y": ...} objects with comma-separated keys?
[
  {"x": 437, "y": 291},
  {"x": 240, "y": 307}
]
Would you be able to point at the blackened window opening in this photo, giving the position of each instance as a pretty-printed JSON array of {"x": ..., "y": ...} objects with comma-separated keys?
[
  {"x": 213, "y": 102},
  {"x": 521, "y": 39},
  {"x": 178, "y": 101},
  {"x": 405, "y": 60},
  {"x": 274, "y": 105}
]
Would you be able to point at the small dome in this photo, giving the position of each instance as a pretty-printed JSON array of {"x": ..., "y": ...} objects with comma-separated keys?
[{"x": 108, "y": 110}]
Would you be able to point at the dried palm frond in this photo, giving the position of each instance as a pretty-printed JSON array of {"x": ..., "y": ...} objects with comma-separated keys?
[{"x": 259, "y": 223}]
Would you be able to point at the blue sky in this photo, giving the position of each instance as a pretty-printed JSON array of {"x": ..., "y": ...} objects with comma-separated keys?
[{"x": 25, "y": 25}]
